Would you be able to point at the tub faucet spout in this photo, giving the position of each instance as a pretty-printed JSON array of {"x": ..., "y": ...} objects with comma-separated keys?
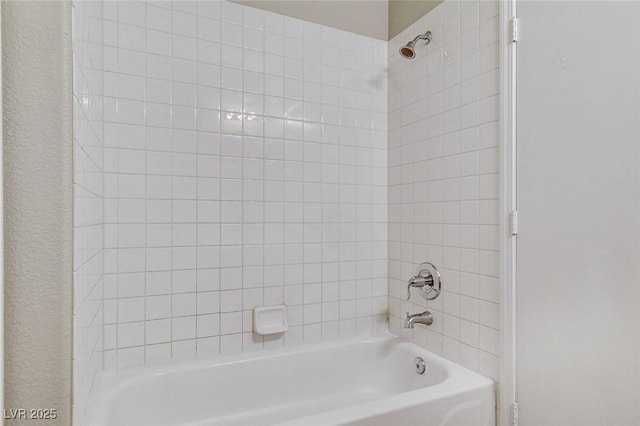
[{"x": 422, "y": 318}]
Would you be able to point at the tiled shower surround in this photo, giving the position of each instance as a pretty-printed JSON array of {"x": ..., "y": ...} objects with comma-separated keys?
[
  {"x": 242, "y": 158},
  {"x": 245, "y": 165},
  {"x": 444, "y": 180}
]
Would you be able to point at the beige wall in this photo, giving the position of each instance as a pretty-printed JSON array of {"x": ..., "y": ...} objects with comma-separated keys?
[
  {"x": 366, "y": 17},
  {"x": 403, "y": 13},
  {"x": 36, "y": 60},
  {"x": 379, "y": 19}
]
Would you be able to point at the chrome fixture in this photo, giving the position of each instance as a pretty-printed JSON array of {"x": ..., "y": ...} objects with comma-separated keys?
[
  {"x": 427, "y": 280},
  {"x": 421, "y": 367},
  {"x": 422, "y": 318},
  {"x": 408, "y": 52}
]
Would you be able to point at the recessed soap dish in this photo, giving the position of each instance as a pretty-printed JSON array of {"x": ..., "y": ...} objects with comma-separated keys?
[{"x": 270, "y": 319}]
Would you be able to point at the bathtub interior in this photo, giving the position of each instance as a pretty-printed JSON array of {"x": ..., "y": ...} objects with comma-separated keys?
[{"x": 269, "y": 388}]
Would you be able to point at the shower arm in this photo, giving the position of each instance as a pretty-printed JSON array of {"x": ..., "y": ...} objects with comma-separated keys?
[{"x": 426, "y": 36}]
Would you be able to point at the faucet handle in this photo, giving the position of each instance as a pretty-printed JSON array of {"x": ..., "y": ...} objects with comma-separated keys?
[
  {"x": 419, "y": 282},
  {"x": 427, "y": 279}
]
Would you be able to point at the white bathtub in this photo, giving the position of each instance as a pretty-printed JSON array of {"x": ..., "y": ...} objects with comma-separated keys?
[{"x": 358, "y": 382}]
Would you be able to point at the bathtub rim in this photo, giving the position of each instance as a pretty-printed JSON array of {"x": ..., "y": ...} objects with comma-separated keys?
[{"x": 458, "y": 379}]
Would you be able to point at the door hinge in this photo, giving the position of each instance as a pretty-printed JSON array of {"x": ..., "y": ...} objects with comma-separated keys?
[
  {"x": 514, "y": 222},
  {"x": 514, "y": 414},
  {"x": 514, "y": 30}
]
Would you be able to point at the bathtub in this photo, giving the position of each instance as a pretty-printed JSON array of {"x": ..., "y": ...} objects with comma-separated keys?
[{"x": 357, "y": 382}]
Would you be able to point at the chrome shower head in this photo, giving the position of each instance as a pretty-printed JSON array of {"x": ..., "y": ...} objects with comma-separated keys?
[{"x": 408, "y": 52}]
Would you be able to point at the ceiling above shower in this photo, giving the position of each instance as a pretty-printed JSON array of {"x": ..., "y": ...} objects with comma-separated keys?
[
  {"x": 403, "y": 13},
  {"x": 381, "y": 19}
]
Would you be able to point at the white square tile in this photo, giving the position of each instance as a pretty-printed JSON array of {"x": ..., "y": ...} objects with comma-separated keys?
[
  {"x": 231, "y": 12},
  {"x": 183, "y": 328},
  {"x": 305, "y": 79},
  {"x": 158, "y": 331},
  {"x": 130, "y": 334},
  {"x": 208, "y": 325},
  {"x": 184, "y": 23}
]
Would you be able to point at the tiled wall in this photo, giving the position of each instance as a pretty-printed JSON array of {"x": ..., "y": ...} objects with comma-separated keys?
[
  {"x": 444, "y": 180},
  {"x": 88, "y": 201},
  {"x": 245, "y": 165}
]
